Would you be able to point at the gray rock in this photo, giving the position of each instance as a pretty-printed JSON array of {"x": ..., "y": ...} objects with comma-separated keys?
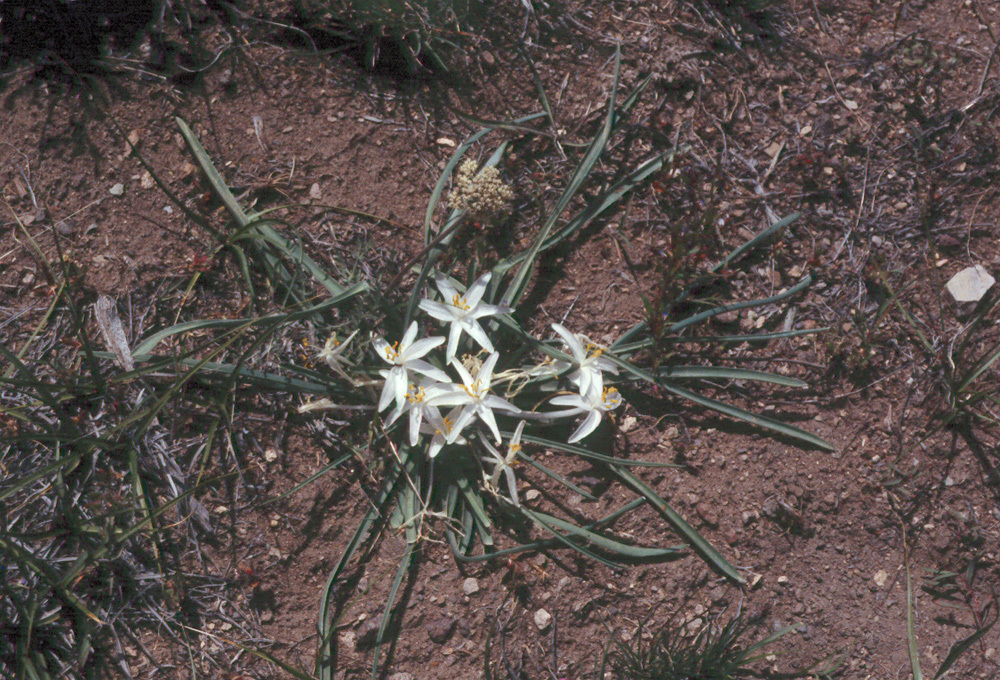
[{"x": 970, "y": 284}]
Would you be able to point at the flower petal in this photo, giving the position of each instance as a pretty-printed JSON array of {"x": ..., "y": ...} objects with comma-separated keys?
[
  {"x": 439, "y": 310},
  {"x": 572, "y": 342},
  {"x": 461, "y": 422},
  {"x": 416, "y": 417},
  {"x": 419, "y": 348},
  {"x": 408, "y": 337},
  {"x": 388, "y": 392},
  {"x": 588, "y": 425},
  {"x": 570, "y": 400},
  {"x": 383, "y": 348},
  {"x": 424, "y": 368},
  {"x": 448, "y": 291},
  {"x": 486, "y": 415},
  {"x": 485, "y": 375},
  {"x": 453, "y": 336},
  {"x": 495, "y": 402},
  {"x": 475, "y": 292},
  {"x": 479, "y": 335}
]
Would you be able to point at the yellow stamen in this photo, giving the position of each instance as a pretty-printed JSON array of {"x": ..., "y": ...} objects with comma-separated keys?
[
  {"x": 594, "y": 350},
  {"x": 392, "y": 351},
  {"x": 459, "y": 302},
  {"x": 416, "y": 395},
  {"x": 447, "y": 426},
  {"x": 474, "y": 390}
]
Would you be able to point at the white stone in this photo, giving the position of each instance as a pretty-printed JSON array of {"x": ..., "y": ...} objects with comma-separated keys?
[
  {"x": 542, "y": 619},
  {"x": 117, "y": 189},
  {"x": 970, "y": 284},
  {"x": 470, "y": 586}
]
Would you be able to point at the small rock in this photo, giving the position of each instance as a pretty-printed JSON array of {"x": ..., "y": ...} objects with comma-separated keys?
[
  {"x": 441, "y": 629},
  {"x": 880, "y": 577},
  {"x": 782, "y": 580},
  {"x": 444, "y": 141},
  {"x": 470, "y": 586},
  {"x": 401, "y": 676},
  {"x": 315, "y": 193},
  {"x": 708, "y": 514},
  {"x": 532, "y": 494},
  {"x": 628, "y": 423},
  {"x": 117, "y": 189},
  {"x": 542, "y": 619},
  {"x": 487, "y": 58},
  {"x": 65, "y": 227},
  {"x": 970, "y": 284}
]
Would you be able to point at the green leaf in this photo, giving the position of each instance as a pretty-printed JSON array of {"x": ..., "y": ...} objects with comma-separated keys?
[
  {"x": 631, "y": 552},
  {"x": 721, "y": 407},
  {"x": 725, "y": 373},
  {"x": 147, "y": 345},
  {"x": 687, "y": 532}
]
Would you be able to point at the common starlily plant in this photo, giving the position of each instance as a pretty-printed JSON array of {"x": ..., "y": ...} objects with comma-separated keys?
[
  {"x": 480, "y": 425},
  {"x": 465, "y": 410}
]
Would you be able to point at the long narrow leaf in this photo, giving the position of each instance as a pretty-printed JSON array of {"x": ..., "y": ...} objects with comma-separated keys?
[
  {"x": 631, "y": 552},
  {"x": 148, "y": 344},
  {"x": 726, "y": 373},
  {"x": 687, "y": 532},
  {"x": 519, "y": 284}
]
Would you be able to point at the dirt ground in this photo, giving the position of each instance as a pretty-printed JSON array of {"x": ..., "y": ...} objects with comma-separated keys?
[{"x": 878, "y": 121}]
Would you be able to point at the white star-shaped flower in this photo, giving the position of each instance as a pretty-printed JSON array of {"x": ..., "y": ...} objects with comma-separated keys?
[
  {"x": 503, "y": 465},
  {"x": 333, "y": 354},
  {"x": 417, "y": 398},
  {"x": 441, "y": 429},
  {"x": 473, "y": 395},
  {"x": 588, "y": 361},
  {"x": 405, "y": 357},
  {"x": 594, "y": 404},
  {"x": 462, "y": 311}
]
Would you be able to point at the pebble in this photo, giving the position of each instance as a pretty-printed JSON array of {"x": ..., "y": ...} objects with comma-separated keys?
[
  {"x": 470, "y": 586},
  {"x": 542, "y": 619},
  {"x": 441, "y": 629},
  {"x": 117, "y": 189}
]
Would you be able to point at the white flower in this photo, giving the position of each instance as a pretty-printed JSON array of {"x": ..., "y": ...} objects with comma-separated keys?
[
  {"x": 441, "y": 430},
  {"x": 473, "y": 395},
  {"x": 333, "y": 355},
  {"x": 589, "y": 363},
  {"x": 417, "y": 406},
  {"x": 503, "y": 465},
  {"x": 462, "y": 311},
  {"x": 594, "y": 404},
  {"x": 405, "y": 357}
]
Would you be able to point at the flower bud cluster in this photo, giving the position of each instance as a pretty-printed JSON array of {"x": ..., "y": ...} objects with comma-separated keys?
[{"x": 484, "y": 195}]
